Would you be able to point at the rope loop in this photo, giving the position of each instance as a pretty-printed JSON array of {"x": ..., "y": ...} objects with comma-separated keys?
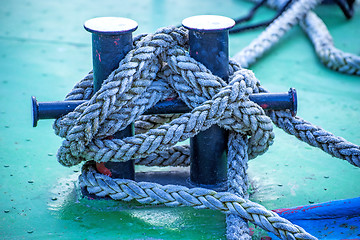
[{"x": 200, "y": 198}]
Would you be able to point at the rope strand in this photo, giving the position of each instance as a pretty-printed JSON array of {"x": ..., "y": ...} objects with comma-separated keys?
[{"x": 200, "y": 198}]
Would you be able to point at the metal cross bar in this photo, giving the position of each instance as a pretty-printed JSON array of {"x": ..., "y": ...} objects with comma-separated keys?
[{"x": 268, "y": 101}]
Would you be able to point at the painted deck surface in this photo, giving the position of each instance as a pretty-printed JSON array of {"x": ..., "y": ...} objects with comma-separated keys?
[{"x": 44, "y": 51}]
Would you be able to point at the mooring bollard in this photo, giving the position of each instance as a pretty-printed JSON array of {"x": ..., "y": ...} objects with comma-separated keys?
[
  {"x": 111, "y": 41},
  {"x": 208, "y": 39}
]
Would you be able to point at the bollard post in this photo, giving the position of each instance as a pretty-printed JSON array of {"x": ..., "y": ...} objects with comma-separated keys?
[
  {"x": 208, "y": 39},
  {"x": 111, "y": 41}
]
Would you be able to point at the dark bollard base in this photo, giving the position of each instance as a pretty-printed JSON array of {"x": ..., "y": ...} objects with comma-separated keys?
[
  {"x": 208, "y": 157},
  {"x": 176, "y": 177},
  {"x": 219, "y": 187}
]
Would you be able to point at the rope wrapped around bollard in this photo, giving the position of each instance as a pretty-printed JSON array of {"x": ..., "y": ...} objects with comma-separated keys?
[
  {"x": 131, "y": 89},
  {"x": 200, "y": 198},
  {"x": 159, "y": 67}
]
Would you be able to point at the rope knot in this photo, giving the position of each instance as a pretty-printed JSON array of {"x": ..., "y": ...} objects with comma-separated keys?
[{"x": 157, "y": 68}]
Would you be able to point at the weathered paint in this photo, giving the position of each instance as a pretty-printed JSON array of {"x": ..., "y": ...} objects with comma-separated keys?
[
  {"x": 330, "y": 220},
  {"x": 103, "y": 169},
  {"x": 331, "y": 209}
]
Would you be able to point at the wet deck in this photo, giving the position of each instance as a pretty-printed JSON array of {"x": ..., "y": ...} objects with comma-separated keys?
[{"x": 44, "y": 51}]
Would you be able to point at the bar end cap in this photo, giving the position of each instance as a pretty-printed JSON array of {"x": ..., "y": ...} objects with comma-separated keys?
[
  {"x": 110, "y": 25},
  {"x": 35, "y": 110},
  {"x": 293, "y": 97}
]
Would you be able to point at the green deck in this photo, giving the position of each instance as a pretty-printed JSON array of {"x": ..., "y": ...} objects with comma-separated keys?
[{"x": 44, "y": 51}]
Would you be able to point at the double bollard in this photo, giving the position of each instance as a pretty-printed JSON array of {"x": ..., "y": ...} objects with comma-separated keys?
[{"x": 208, "y": 44}]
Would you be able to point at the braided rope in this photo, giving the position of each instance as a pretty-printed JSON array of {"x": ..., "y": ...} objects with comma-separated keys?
[
  {"x": 274, "y": 32},
  {"x": 83, "y": 90},
  {"x": 146, "y": 122},
  {"x": 212, "y": 100},
  {"x": 238, "y": 183},
  {"x": 101, "y": 115},
  {"x": 188, "y": 125},
  {"x": 177, "y": 156},
  {"x": 228, "y": 106},
  {"x": 313, "y": 26},
  {"x": 330, "y": 56},
  {"x": 158, "y": 68},
  {"x": 317, "y": 137},
  {"x": 200, "y": 198},
  {"x": 303, "y": 130}
]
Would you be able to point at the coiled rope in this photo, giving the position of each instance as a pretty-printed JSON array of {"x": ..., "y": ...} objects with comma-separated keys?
[
  {"x": 160, "y": 67},
  {"x": 274, "y": 32},
  {"x": 329, "y": 55},
  {"x": 313, "y": 26}
]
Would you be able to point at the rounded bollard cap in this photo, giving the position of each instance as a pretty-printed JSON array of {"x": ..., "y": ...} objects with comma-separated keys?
[
  {"x": 35, "y": 111},
  {"x": 208, "y": 23},
  {"x": 110, "y": 25}
]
